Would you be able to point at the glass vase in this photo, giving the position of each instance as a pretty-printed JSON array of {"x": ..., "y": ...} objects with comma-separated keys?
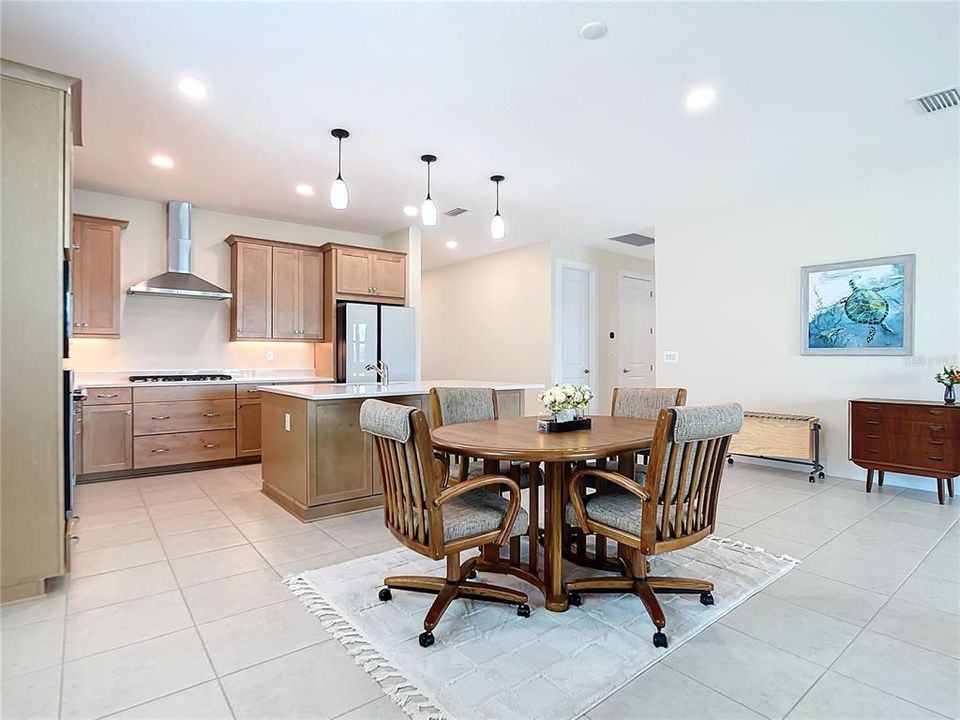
[
  {"x": 565, "y": 415},
  {"x": 949, "y": 394}
]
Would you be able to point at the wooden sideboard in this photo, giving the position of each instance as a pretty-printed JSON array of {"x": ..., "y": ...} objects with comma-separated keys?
[{"x": 913, "y": 437}]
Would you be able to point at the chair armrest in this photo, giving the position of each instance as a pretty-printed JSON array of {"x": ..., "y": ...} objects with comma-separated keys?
[
  {"x": 466, "y": 486},
  {"x": 576, "y": 494}
]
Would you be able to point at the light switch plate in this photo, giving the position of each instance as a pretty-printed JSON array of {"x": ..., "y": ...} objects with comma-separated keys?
[
  {"x": 671, "y": 356},
  {"x": 286, "y": 422}
]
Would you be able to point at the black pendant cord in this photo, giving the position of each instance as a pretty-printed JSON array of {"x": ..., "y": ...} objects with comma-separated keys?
[
  {"x": 339, "y": 157},
  {"x": 428, "y": 181},
  {"x": 498, "y": 198}
]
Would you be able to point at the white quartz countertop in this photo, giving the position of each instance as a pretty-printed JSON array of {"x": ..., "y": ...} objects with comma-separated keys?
[
  {"x": 343, "y": 391},
  {"x": 95, "y": 380}
]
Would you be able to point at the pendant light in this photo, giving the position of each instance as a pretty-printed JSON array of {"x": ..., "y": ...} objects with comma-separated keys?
[
  {"x": 498, "y": 228},
  {"x": 428, "y": 210},
  {"x": 339, "y": 198}
]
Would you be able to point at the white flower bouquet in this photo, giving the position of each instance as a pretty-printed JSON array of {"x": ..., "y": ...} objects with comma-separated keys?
[{"x": 566, "y": 400}]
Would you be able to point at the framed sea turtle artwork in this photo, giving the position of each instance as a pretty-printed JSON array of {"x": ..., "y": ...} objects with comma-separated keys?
[{"x": 862, "y": 307}]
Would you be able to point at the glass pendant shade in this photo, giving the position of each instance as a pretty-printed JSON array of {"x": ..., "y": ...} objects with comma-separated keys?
[
  {"x": 339, "y": 197},
  {"x": 428, "y": 212},
  {"x": 498, "y": 228}
]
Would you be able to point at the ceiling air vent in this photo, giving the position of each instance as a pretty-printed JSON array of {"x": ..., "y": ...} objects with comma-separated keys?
[
  {"x": 635, "y": 239},
  {"x": 455, "y": 211},
  {"x": 939, "y": 100}
]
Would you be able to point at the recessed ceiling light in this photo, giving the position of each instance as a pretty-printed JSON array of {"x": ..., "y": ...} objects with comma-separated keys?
[
  {"x": 593, "y": 31},
  {"x": 304, "y": 189},
  {"x": 162, "y": 161},
  {"x": 411, "y": 210},
  {"x": 192, "y": 88},
  {"x": 451, "y": 244},
  {"x": 701, "y": 98}
]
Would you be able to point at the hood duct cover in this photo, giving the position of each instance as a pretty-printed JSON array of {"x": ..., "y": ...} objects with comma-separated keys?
[{"x": 179, "y": 281}]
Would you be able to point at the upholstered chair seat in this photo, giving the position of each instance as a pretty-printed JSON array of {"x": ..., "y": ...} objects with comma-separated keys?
[
  {"x": 618, "y": 509},
  {"x": 478, "y": 512}
]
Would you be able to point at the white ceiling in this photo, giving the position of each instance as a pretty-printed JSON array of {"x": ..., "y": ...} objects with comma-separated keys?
[{"x": 593, "y": 137}]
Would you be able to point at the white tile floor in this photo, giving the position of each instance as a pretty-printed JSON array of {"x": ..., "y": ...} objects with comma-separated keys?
[{"x": 175, "y": 610}]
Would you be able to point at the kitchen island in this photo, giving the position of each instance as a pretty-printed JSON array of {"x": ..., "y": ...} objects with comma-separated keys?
[{"x": 316, "y": 460}]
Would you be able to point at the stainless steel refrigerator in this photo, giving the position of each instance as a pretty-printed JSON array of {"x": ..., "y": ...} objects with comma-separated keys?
[{"x": 368, "y": 333}]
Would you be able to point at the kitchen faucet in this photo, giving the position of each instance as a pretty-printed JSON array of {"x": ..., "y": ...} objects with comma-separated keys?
[{"x": 382, "y": 370}]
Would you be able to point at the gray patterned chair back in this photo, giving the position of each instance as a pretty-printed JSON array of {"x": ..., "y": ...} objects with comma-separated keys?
[
  {"x": 462, "y": 405},
  {"x": 646, "y": 403},
  {"x": 686, "y": 465},
  {"x": 410, "y": 474}
]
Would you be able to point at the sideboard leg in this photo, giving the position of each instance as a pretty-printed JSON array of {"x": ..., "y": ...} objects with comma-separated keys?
[
  {"x": 940, "y": 490},
  {"x": 869, "y": 480},
  {"x": 950, "y": 486},
  {"x": 880, "y": 477}
]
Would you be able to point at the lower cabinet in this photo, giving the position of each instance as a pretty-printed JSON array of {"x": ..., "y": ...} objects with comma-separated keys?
[
  {"x": 107, "y": 438},
  {"x": 182, "y": 448},
  {"x": 248, "y": 427}
]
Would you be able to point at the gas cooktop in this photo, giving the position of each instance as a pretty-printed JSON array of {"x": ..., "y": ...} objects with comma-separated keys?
[{"x": 205, "y": 377}]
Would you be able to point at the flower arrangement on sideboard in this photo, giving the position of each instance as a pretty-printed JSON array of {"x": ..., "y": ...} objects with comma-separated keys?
[{"x": 948, "y": 377}]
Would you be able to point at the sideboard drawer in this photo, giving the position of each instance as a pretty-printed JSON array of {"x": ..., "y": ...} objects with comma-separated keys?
[
  {"x": 183, "y": 416},
  {"x": 178, "y": 448}
]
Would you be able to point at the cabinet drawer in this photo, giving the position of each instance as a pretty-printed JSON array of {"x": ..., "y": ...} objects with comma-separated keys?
[
  {"x": 250, "y": 392},
  {"x": 178, "y": 448},
  {"x": 183, "y": 392},
  {"x": 108, "y": 396},
  {"x": 183, "y": 416}
]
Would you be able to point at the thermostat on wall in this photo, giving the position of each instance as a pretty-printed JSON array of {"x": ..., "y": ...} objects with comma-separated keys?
[{"x": 671, "y": 356}]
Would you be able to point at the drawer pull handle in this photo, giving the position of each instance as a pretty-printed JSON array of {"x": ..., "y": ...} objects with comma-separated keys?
[
  {"x": 873, "y": 407},
  {"x": 160, "y": 450},
  {"x": 210, "y": 446},
  {"x": 936, "y": 412},
  {"x": 936, "y": 428},
  {"x": 211, "y": 414},
  {"x": 873, "y": 422},
  {"x": 110, "y": 395},
  {"x": 874, "y": 452},
  {"x": 873, "y": 437},
  {"x": 254, "y": 390},
  {"x": 933, "y": 457},
  {"x": 160, "y": 417}
]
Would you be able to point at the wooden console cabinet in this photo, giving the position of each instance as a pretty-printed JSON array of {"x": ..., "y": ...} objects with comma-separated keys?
[{"x": 913, "y": 437}]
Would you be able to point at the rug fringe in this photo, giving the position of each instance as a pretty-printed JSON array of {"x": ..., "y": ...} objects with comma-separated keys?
[
  {"x": 741, "y": 545},
  {"x": 391, "y": 680}
]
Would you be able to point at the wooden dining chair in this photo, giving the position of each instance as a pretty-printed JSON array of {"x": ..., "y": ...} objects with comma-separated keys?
[
  {"x": 452, "y": 406},
  {"x": 675, "y": 506},
  {"x": 438, "y": 521}
]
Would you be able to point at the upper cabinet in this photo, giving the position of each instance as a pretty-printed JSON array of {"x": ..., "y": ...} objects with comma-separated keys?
[
  {"x": 369, "y": 275},
  {"x": 95, "y": 266},
  {"x": 277, "y": 291}
]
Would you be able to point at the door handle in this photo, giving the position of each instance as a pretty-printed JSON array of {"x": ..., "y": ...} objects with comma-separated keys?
[
  {"x": 211, "y": 414},
  {"x": 625, "y": 370},
  {"x": 586, "y": 371}
]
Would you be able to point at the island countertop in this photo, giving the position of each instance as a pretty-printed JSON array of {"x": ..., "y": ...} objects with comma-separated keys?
[{"x": 342, "y": 391}]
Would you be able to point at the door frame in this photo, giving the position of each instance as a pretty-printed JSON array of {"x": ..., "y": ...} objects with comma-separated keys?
[
  {"x": 623, "y": 274},
  {"x": 555, "y": 365}
]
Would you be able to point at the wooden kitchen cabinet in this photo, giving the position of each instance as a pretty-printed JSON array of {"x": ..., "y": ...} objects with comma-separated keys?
[
  {"x": 251, "y": 308},
  {"x": 277, "y": 290},
  {"x": 95, "y": 275},
  {"x": 369, "y": 275},
  {"x": 107, "y": 438},
  {"x": 248, "y": 427}
]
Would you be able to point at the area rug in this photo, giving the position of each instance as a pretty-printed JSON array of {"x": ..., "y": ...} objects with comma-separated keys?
[{"x": 490, "y": 664}]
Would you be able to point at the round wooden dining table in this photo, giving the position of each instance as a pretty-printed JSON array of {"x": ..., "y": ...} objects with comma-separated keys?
[{"x": 517, "y": 439}]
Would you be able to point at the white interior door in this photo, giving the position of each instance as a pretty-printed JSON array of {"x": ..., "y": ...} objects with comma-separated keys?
[
  {"x": 637, "y": 321},
  {"x": 575, "y": 349}
]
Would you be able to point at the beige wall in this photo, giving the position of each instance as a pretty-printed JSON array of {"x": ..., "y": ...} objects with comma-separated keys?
[
  {"x": 609, "y": 266},
  {"x": 729, "y": 302},
  {"x": 489, "y": 319},
  {"x": 160, "y": 333}
]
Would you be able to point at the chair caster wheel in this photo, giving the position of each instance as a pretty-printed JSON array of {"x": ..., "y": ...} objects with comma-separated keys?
[
  {"x": 821, "y": 475},
  {"x": 574, "y": 599},
  {"x": 730, "y": 460},
  {"x": 472, "y": 575},
  {"x": 811, "y": 479},
  {"x": 523, "y": 610},
  {"x": 426, "y": 639},
  {"x": 385, "y": 594},
  {"x": 659, "y": 639},
  {"x": 706, "y": 598}
]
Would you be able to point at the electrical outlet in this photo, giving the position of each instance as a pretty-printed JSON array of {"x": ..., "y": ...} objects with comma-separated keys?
[
  {"x": 286, "y": 422},
  {"x": 269, "y": 354},
  {"x": 671, "y": 356}
]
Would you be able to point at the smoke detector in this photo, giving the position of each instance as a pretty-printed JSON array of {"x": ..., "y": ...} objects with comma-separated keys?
[{"x": 939, "y": 100}]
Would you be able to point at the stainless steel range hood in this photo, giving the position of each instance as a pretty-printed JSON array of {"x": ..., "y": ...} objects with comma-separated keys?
[{"x": 178, "y": 281}]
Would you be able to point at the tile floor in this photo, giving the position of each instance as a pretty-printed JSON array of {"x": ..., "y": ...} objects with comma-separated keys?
[{"x": 175, "y": 610}]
